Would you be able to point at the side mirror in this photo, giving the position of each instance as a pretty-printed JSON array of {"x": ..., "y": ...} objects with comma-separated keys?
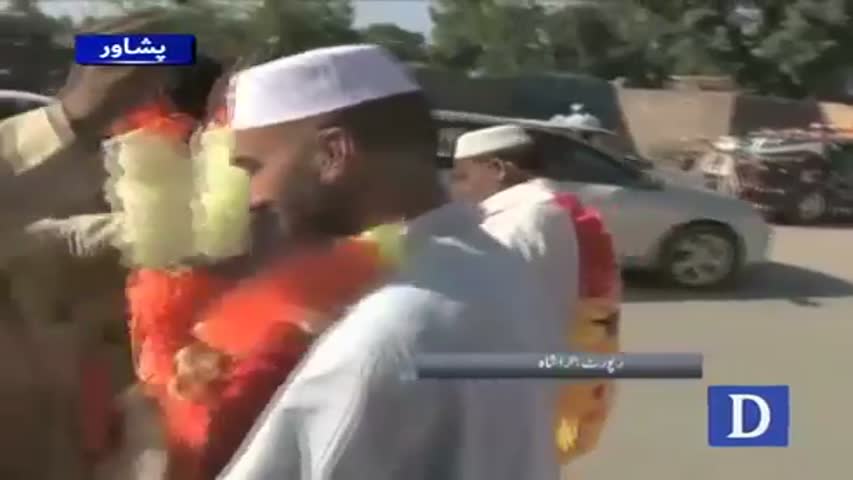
[{"x": 642, "y": 163}]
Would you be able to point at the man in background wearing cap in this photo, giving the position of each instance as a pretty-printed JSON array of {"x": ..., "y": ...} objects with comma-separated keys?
[
  {"x": 342, "y": 138},
  {"x": 497, "y": 168},
  {"x": 566, "y": 245}
]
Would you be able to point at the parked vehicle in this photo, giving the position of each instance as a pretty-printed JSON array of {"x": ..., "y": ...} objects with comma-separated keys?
[
  {"x": 13, "y": 102},
  {"x": 695, "y": 237},
  {"x": 797, "y": 176}
]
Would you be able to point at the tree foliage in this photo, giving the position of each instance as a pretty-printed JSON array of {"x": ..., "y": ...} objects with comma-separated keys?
[
  {"x": 408, "y": 46},
  {"x": 259, "y": 29},
  {"x": 792, "y": 48},
  {"x": 490, "y": 36}
]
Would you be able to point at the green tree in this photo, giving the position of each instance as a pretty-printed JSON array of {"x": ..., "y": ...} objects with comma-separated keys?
[
  {"x": 406, "y": 45},
  {"x": 607, "y": 41},
  {"x": 491, "y": 36},
  {"x": 290, "y": 26},
  {"x": 260, "y": 29},
  {"x": 791, "y": 48}
]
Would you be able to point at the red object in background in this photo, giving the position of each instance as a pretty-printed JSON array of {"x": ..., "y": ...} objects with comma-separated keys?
[{"x": 159, "y": 117}]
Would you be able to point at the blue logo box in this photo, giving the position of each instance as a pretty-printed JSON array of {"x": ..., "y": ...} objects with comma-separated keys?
[
  {"x": 153, "y": 49},
  {"x": 749, "y": 416}
]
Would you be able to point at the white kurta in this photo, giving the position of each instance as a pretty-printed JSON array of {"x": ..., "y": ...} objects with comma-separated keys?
[
  {"x": 527, "y": 219},
  {"x": 347, "y": 413}
]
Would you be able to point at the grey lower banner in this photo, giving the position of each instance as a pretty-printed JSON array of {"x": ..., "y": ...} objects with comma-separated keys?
[{"x": 563, "y": 365}]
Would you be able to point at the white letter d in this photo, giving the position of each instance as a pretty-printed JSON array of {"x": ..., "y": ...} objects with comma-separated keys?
[{"x": 737, "y": 416}]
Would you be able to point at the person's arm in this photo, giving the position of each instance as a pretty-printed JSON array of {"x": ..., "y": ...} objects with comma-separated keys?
[
  {"x": 543, "y": 233},
  {"x": 49, "y": 157},
  {"x": 45, "y": 168},
  {"x": 30, "y": 138},
  {"x": 80, "y": 236}
]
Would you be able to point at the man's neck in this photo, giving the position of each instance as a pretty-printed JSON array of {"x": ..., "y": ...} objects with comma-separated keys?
[{"x": 517, "y": 179}]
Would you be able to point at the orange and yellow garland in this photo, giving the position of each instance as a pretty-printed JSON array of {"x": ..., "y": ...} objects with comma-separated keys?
[
  {"x": 583, "y": 407},
  {"x": 206, "y": 347},
  {"x": 219, "y": 353}
]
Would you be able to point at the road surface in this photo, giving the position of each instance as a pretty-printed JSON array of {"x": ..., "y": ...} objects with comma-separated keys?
[{"x": 791, "y": 323}]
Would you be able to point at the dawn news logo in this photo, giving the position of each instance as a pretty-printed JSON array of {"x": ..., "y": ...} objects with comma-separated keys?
[{"x": 749, "y": 416}]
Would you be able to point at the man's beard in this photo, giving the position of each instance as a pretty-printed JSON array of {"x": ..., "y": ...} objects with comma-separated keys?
[{"x": 308, "y": 207}]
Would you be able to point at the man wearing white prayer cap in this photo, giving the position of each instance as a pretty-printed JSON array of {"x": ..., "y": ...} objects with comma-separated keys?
[
  {"x": 567, "y": 247},
  {"x": 342, "y": 138},
  {"x": 497, "y": 168}
]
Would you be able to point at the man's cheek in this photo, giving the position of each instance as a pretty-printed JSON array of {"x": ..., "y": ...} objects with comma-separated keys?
[
  {"x": 458, "y": 192},
  {"x": 263, "y": 187}
]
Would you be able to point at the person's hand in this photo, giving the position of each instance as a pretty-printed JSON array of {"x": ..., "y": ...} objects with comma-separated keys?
[{"x": 95, "y": 96}]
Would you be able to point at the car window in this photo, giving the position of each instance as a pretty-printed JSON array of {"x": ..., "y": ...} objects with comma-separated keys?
[
  {"x": 447, "y": 136},
  {"x": 841, "y": 156},
  {"x": 567, "y": 160},
  {"x": 448, "y": 133},
  {"x": 10, "y": 107}
]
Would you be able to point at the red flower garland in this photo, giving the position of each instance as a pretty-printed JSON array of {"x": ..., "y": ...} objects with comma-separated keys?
[
  {"x": 163, "y": 307},
  {"x": 158, "y": 117},
  {"x": 258, "y": 325},
  {"x": 314, "y": 282},
  {"x": 599, "y": 273}
]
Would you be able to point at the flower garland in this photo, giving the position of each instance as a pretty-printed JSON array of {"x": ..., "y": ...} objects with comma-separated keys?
[
  {"x": 162, "y": 306},
  {"x": 150, "y": 183},
  {"x": 203, "y": 344},
  {"x": 584, "y": 407},
  {"x": 246, "y": 340},
  {"x": 221, "y": 206}
]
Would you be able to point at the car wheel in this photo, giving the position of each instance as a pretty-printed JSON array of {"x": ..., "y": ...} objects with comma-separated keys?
[
  {"x": 700, "y": 256},
  {"x": 810, "y": 208}
]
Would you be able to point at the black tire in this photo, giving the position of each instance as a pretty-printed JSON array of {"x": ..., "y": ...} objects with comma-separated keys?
[
  {"x": 672, "y": 254},
  {"x": 808, "y": 209}
]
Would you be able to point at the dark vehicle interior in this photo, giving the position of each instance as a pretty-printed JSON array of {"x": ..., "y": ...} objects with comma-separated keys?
[{"x": 10, "y": 106}]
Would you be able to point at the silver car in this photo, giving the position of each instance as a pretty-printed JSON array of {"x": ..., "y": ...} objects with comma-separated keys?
[{"x": 695, "y": 237}]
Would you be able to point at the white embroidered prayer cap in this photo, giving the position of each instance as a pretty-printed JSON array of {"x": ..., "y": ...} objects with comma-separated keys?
[
  {"x": 491, "y": 140},
  {"x": 316, "y": 82}
]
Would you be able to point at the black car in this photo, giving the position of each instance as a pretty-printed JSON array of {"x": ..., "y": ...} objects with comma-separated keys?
[{"x": 13, "y": 102}]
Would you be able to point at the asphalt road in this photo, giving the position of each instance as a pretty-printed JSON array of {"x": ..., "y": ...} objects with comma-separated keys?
[{"x": 789, "y": 323}]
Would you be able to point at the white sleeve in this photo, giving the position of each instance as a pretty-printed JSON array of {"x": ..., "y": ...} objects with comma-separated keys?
[
  {"x": 559, "y": 259},
  {"x": 347, "y": 413},
  {"x": 544, "y": 235}
]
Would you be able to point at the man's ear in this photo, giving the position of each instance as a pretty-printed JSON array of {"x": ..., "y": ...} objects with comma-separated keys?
[
  {"x": 338, "y": 148},
  {"x": 500, "y": 168}
]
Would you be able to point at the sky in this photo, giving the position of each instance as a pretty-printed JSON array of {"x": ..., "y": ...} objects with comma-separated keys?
[{"x": 409, "y": 14}]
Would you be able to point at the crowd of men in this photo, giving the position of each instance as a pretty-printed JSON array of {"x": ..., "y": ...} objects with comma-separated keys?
[{"x": 336, "y": 141}]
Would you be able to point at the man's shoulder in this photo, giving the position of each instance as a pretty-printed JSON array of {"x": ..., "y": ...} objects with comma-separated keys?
[
  {"x": 378, "y": 334},
  {"x": 530, "y": 218},
  {"x": 395, "y": 311}
]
